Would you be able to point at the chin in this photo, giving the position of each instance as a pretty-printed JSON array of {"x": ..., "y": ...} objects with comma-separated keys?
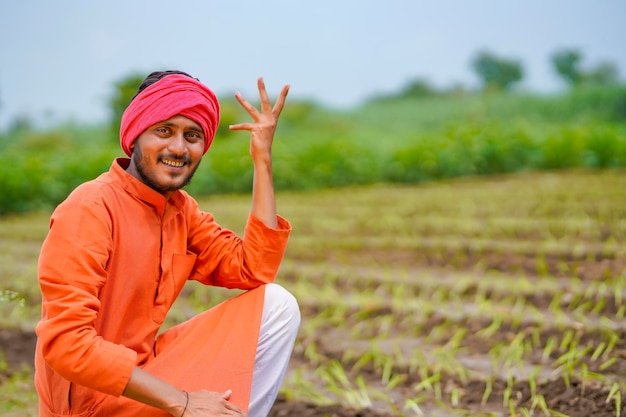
[{"x": 175, "y": 185}]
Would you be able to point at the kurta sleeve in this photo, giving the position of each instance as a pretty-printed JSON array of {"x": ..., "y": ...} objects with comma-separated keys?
[
  {"x": 72, "y": 271},
  {"x": 226, "y": 260}
]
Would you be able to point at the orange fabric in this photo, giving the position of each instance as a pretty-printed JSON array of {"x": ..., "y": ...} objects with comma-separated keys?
[{"x": 115, "y": 259}]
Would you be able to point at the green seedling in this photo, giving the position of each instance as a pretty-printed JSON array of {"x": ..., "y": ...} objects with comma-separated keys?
[
  {"x": 338, "y": 382},
  {"x": 429, "y": 383},
  {"x": 555, "y": 303},
  {"x": 616, "y": 395},
  {"x": 599, "y": 306},
  {"x": 492, "y": 329},
  {"x": 598, "y": 351},
  {"x": 417, "y": 361},
  {"x": 511, "y": 406},
  {"x": 535, "y": 335},
  {"x": 614, "y": 338},
  {"x": 539, "y": 401},
  {"x": 387, "y": 370},
  {"x": 300, "y": 388},
  {"x": 568, "y": 336},
  {"x": 618, "y": 291},
  {"x": 455, "y": 396},
  {"x": 395, "y": 380},
  {"x": 311, "y": 353},
  {"x": 487, "y": 391},
  {"x": 555, "y": 413},
  {"x": 508, "y": 391},
  {"x": 607, "y": 364},
  {"x": 413, "y": 404},
  {"x": 532, "y": 381},
  {"x": 551, "y": 344}
]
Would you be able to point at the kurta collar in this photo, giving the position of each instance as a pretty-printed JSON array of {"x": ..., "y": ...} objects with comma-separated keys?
[{"x": 140, "y": 190}]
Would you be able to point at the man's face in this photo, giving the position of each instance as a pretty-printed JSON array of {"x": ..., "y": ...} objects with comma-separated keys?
[{"x": 166, "y": 155}]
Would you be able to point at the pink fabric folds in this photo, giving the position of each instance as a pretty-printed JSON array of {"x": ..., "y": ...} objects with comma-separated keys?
[{"x": 170, "y": 96}]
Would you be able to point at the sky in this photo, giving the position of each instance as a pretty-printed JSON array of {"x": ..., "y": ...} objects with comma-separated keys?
[{"x": 59, "y": 59}]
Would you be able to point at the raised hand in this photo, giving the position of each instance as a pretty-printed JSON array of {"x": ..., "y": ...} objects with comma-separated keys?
[{"x": 265, "y": 121}]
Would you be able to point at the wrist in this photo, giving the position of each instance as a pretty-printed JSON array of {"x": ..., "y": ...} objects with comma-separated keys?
[
  {"x": 179, "y": 407},
  {"x": 263, "y": 156},
  {"x": 186, "y": 403},
  {"x": 263, "y": 164}
]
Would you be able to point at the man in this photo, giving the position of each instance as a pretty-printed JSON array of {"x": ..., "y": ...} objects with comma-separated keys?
[{"x": 120, "y": 249}]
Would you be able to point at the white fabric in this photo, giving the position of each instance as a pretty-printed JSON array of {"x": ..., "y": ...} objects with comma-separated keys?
[{"x": 277, "y": 335}]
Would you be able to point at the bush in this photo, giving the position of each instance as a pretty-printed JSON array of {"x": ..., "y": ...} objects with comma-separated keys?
[
  {"x": 591, "y": 146},
  {"x": 465, "y": 149},
  {"x": 407, "y": 140}
]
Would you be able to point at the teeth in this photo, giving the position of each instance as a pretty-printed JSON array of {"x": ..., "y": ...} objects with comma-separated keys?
[{"x": 176, "y": 164}]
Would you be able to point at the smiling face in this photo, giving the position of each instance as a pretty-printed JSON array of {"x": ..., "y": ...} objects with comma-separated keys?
[{"x": 166, "y": 155}]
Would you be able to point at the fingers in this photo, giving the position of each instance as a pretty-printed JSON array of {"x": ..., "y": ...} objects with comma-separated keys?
[
  {"x": 230, "y": 406},
  {"x": 266, "y": 105},
  {"x": 242, "y": 126},
  {"x": 280, "y": 101},
  {"x": 212, "y": 403},
  {"x": 252, "y": 111}
]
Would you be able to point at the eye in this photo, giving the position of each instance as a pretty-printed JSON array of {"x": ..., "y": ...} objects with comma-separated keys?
[
  {"x": 163, "y": 130},
  {"x": 193, "y": 136}
]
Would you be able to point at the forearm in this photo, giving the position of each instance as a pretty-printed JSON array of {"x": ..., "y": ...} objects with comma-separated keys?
[
  {"x": 148, "y": 389},
  {"x": 262, "y": 134},
  {"x": 263, "y": 198}
]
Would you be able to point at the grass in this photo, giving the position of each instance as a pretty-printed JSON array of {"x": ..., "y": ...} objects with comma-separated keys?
[{"x": 475, "y": 296}]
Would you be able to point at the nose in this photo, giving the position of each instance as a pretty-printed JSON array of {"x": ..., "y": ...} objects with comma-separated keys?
[{"x": 177, "y": 144}]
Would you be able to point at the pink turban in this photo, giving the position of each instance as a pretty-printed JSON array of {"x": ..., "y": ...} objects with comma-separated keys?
[{"x": 170, "y": 96}]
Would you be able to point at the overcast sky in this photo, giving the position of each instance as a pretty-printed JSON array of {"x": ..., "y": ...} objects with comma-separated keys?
[{"x": 60, "y": 58}]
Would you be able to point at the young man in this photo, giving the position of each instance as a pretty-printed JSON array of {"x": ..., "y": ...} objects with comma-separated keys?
[{"x": 119, "y": 251}]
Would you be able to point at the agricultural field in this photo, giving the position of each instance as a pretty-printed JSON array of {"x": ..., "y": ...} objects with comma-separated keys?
[{"x": 478, "y": 296}]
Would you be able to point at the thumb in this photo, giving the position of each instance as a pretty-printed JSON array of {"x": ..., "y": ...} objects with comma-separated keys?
[{"x": 226, "y": 395}]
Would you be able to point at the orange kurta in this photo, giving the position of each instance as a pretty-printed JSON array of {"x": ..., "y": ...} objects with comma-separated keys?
[{"x": 116, "y": 257}]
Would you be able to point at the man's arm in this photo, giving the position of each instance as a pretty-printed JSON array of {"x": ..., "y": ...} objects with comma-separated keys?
[
  {"x": 148, "y": 389},
  {"x": 261, "y": 138}
]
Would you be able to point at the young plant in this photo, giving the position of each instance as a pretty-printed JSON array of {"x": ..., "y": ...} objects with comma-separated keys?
[{"x": 616, "y": 395}]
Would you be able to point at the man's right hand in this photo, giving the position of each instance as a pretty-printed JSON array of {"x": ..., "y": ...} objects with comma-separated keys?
[
  {"x": 208, "y": 403},
  {"x": 148, "y": 389}
]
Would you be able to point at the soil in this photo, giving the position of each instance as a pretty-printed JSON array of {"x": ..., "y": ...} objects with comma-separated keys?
[
  {"x": 574, "y": 400},
  {"x": 19, "y": 349},
  {"x": 566, "y": 296}
]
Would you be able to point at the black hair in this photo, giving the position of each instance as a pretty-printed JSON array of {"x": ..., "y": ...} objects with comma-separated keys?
[{"x": 155, "y": 76}]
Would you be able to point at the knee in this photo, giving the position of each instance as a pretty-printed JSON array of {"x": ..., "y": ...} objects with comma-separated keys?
[{"x": 282, "y": 303}]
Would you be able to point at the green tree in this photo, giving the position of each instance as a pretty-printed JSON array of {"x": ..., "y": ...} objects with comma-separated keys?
[
  {"x": 605, "y": 73},
  {"x": 566, "y": 62},
  {"x": 497, "y": 73},
  {"x": 418, "y": 88},
  {"x": 123, "y": 92}
]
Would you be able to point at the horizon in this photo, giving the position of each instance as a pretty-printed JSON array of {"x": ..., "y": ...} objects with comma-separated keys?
[{"x": 63, "y": 65}]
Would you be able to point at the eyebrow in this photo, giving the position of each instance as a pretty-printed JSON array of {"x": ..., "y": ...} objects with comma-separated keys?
[
  {"x": 193, "y": 127},
  {"x": 196, "y": 129}
]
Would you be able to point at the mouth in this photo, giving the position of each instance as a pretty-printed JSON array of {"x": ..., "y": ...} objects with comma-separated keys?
[{"x": 174, "y": 163}]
